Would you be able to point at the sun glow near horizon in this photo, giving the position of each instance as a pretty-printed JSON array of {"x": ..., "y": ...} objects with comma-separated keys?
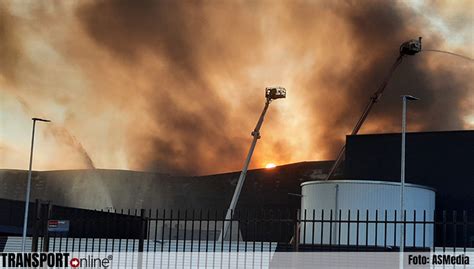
[{"x": 270, "y": 165}]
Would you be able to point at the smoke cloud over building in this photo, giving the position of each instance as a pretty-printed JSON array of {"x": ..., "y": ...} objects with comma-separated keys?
[{"x": 177, "y": 86}]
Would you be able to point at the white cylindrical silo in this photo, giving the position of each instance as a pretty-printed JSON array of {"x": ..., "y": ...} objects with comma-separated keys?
[{"x": 339, "y": 203}]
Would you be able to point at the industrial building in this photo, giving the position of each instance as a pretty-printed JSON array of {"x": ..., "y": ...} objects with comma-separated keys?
[
  {"x": 439, "y": 176},
  {"x": 440, "y": 160}
]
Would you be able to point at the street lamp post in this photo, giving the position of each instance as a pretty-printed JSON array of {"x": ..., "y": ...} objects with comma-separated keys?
[
  {"x": 270, "y": 94},
  {"x": 28, "y": 185},
  {"x": 405, "y": 98}
]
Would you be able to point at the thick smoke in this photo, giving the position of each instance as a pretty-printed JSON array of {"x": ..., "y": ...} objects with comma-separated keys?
[
  {"x": 10, "y": 45},
  {"x": 177, "y": 86}
]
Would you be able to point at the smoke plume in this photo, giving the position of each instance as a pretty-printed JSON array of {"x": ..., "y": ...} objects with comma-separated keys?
[{"x": 177, "y": 86}]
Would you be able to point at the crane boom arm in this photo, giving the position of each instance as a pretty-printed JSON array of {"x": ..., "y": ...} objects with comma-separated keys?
[{"x": 408, "y": 48}]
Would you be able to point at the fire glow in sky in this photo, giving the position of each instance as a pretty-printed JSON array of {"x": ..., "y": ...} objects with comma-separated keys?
[{"x": 177, "y": 86}]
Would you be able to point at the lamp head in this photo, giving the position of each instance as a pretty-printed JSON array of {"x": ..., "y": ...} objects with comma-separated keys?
[
  {"x": 410, "y": 97},
  {"x": 39, "y": 119}
]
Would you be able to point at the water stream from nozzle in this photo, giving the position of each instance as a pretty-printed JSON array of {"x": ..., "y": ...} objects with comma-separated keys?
[
  {"x": 65, "y": 136},
  {"x": 60, "y": 133},
  {"x": 448, "y": 52}
]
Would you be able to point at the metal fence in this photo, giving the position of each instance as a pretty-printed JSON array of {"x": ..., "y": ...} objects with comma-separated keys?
[{"x": 257, "y": 230}]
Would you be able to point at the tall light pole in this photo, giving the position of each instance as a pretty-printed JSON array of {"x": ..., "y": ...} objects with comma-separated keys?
[
  {"x": 28, "y": 185},
  {"x": 270, "y": 94},
  {"x": 405, "y": 99}
]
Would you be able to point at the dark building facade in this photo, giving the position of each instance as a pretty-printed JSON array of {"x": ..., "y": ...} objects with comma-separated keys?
[
  {"x": 103, "y": 189},
  {"x": 442, "y": 160}
]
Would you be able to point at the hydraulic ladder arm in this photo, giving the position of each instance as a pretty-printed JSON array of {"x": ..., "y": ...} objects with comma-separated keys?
[{"x": 408, "y": 48}]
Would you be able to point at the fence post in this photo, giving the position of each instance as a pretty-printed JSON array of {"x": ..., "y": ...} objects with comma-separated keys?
[
  {"x": 45, "y": 231},
  {"x": 36, "y": 226},
  {"x": 141, "y": 238},
  {"x": 297, "y": 231},
  {"x": 141, "y": 235}
]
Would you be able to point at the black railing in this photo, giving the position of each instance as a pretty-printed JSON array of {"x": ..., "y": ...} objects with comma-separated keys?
[{"x": 257, "y": 230}]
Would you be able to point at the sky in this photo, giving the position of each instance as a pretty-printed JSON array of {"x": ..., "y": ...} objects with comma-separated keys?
[{"x": 177, "y": 87}]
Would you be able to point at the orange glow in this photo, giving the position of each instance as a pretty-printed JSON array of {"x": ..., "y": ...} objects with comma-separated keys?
[
  {"x": 198, "y": 101},
  {"x": 270, "y": 165}
]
